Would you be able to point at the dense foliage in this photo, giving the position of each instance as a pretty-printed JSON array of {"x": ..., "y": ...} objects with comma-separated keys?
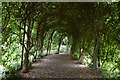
[{"x": 90, "y": 32}]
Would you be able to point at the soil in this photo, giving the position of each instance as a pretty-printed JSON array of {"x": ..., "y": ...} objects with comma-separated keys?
[{"x": 58, "y": 66}]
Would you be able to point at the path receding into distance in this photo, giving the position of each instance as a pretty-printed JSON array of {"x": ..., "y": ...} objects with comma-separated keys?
[{"x": 58, "y": 66}]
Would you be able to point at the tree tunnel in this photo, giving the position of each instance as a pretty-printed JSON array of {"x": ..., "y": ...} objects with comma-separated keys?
[{"x": 39, "y": 29}]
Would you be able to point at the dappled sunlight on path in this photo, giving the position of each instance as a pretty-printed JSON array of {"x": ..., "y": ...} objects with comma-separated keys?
[{"x": 58, "y": 66}]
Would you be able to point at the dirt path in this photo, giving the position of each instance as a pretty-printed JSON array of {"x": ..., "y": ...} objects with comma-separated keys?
[{"x": 58, "y": 66}]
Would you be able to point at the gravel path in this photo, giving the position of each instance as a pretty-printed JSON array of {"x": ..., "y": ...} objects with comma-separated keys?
[{"x": 58, "y": 66}]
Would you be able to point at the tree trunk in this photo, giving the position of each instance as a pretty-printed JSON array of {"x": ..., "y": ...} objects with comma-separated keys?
[
  {"x": 99, "y": 56},
  {"x": 72, "y": 49},
  {"x": 82, "y": 52},
  {"x": 67, "y": 49},
  {"x": 59, "y": 44},
  {"x": 68, "y": 45},
  {"x": 48, "y": 47},
  {"x": 26, "y": 62},
  {"x": 73, "y": 46},
  {"x": 35, "y": 55},
  {"x": 49, "y": 43},
  {"x": 95, "y": 56},
  {"x": 41, "y": 46},
  {"x": 97, "y": 40},
  {"x": 96, "y": 50},
  {"x": 37, "y": 39},
  {"x": 26, "y": 55},
  {"x": 23, "y": 45}
]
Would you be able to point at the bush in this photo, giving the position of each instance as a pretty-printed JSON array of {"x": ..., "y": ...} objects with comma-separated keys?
[
  {"x": 109, "y": 70},
  {"x": 76, "y": 56},
  {"x": 11, "y": 59}
]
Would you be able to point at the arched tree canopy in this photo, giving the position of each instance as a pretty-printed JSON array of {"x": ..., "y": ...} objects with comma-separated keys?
[{"x": 92, "y": 28}]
